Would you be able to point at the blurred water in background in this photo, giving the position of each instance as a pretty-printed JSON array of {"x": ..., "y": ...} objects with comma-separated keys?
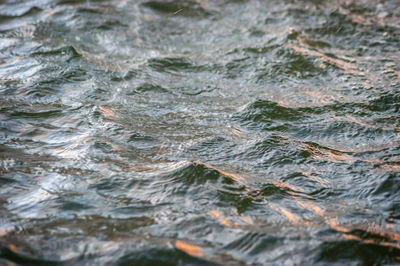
[{"x": 199, "y": 132}]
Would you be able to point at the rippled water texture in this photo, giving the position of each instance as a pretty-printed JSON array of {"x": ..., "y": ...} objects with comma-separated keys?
[{"x": 199, "y": 132}]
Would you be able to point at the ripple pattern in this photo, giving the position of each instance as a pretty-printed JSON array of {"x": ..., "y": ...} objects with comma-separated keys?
[{"x": 228, "y": 132}]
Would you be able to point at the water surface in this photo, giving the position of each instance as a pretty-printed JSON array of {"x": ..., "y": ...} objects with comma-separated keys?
[{"x": 199, "y": 132}]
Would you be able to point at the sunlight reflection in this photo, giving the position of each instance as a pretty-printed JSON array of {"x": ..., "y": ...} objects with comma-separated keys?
[{"x": 189, "y": 249}]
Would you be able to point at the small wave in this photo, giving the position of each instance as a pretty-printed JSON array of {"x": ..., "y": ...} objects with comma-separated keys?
[
  {"x": 70, "y": 51},
  {"x": 173, "y": 65},
  {"x": 268, "y": 115},
  {"x": 11, "y": 254},
  {"x": 43, "y": 114},
  {"x": 347, "y": 251},
  {"x": 254, "y": 243},
  {"x": 161, "y": 256},
  {"x": 8, "y": 13},
  {"x": 179, "y": 8}
]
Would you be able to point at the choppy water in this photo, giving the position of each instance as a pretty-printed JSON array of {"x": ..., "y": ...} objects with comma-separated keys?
[{"x": 199, "y": 132}]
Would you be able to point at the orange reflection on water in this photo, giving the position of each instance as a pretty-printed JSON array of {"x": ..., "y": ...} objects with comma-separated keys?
[
  {"x": 371, "y": 229},
  {"x": 333, "y": 155},
  {"x": 285, "y": 185},
  {"x": 392, "y": 167},
  {"x": 246, "y": 219},
  {"x": 232, "y": 176},
  {"x": 306, "y": 49},
  {"x": 320, "y": 181},
  {"x": 114, "y": 146},
  {"x": 189, "y": 249},
  {"x": 311, "y": 207},
  {"x": 239, "y": 134},
  {"x": 221, "y": 218},
  {"x": 334, "y": 224},
  {"x": 371, "y": 241},
  {"x": 4, "y": 231},
  {"x": 12, "y": 247},
  {"x": 339, "y": 157},
  {"x": 380, "y": 231},
  {"x": 293, "y": 218},
  {"x": 289, "y": 215},
  {"x": 108, "y": 111}
]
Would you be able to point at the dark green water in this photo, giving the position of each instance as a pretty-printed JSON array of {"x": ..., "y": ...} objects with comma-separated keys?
[{"x": 199, "y": 132}]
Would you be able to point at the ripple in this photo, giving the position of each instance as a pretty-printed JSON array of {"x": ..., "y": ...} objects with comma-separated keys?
[{"x": 180, "y": 8}]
